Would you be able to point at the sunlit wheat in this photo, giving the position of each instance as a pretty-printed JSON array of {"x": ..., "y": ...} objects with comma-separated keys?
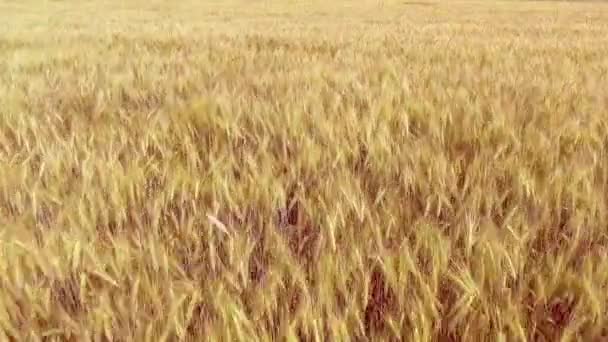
[{"x": 303, "y": 170}]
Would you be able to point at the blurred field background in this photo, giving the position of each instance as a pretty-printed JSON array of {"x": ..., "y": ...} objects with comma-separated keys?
[{"x": 303, "y": 170}]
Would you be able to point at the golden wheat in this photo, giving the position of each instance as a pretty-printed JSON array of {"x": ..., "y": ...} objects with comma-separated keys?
[{"x": 303, "y": 170}]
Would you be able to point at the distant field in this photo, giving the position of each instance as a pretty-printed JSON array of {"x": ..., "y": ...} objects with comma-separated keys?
[{"x": 303, "y": 170}]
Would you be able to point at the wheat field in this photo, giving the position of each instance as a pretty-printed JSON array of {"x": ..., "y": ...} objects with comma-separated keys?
[{"x": 303, "y": 170}]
